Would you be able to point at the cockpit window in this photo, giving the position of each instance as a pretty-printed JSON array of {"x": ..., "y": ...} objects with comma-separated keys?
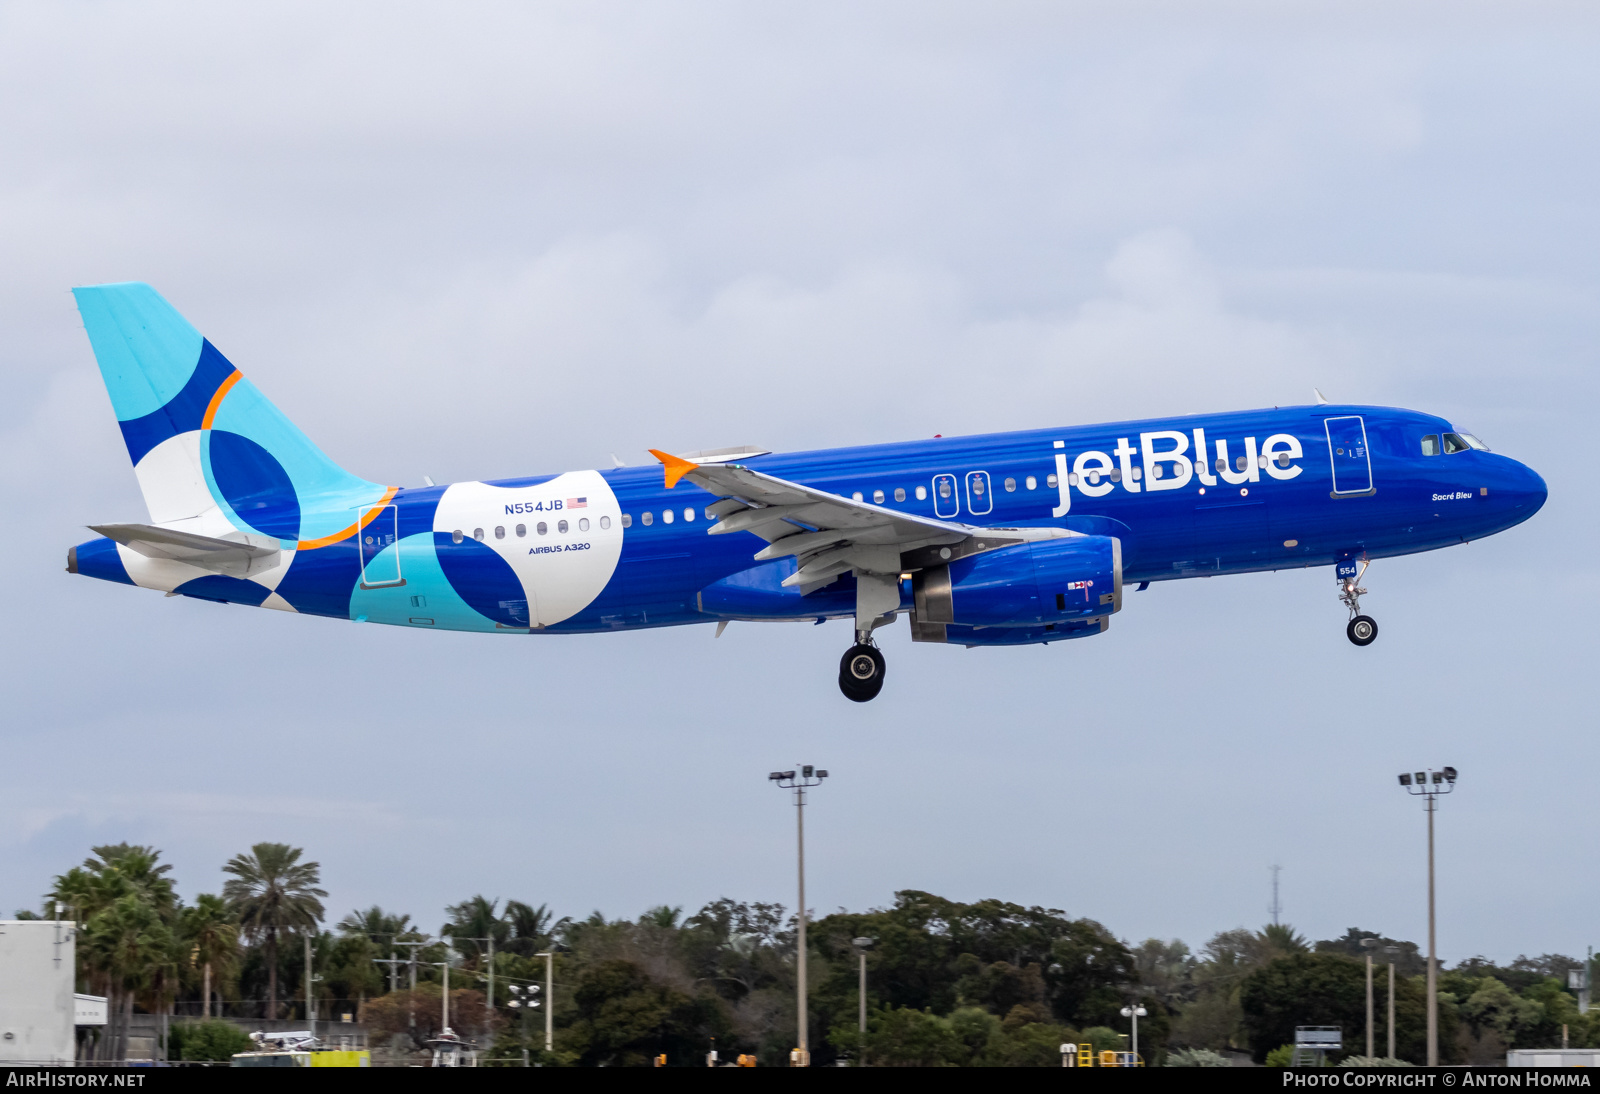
[
  {"x": 1454, "y": 442},
  {"x": 1474, "y": 442},
  {"x": 1430, "y": 445}
]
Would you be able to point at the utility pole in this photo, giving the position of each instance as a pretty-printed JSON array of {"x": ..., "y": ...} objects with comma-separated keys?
[
  {"x": 808, "y": 777},
  {"x": 1429, "y": 785},
  {"x": 1392, "y": 952},
  {"x": 549, "y": 1000},
  {"x": 1275, "y": 908},
  {"x": 394, "y": 971},
  {"x": 411, "y": 998},
  {"x": 490, "y": 959},
  {"x": 311, "y": 999}
]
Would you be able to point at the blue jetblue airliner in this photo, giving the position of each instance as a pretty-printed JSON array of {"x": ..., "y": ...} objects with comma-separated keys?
[{"x": 999, "y": 540}]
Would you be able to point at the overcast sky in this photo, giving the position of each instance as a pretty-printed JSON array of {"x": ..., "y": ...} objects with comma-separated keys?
[{"x": 474, "y": 241}]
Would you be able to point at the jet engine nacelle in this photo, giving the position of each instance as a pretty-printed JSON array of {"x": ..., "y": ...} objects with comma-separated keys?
[{"x": 1049, "y": 581}]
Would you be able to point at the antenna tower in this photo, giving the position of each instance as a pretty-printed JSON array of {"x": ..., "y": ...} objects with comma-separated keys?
[{"x": 1276, "y": 907}]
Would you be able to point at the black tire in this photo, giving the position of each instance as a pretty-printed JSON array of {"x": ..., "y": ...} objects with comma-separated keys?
[
  {"x": 861, "y": 673},
  {"x": 1362, "y": 630}
]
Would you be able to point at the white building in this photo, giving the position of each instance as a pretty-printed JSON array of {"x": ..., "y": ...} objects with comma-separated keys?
[{"x": 38, "y": 1006}]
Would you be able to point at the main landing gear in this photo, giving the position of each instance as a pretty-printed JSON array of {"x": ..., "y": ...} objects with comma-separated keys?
[
  {"x": 1362, "y": 629},
  {"x": 861, "y": 670}
]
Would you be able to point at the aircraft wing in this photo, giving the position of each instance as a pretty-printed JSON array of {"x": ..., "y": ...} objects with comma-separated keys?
[
  {"x": 827, "y": 533},
  {"x": 239, "y": 558}
]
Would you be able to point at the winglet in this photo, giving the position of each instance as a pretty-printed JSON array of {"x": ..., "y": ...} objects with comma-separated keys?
[{"x": 676, "y": 468}]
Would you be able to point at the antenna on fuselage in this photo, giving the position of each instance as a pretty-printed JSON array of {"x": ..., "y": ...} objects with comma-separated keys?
[
  {"x": 1321, "y": 398},
  {"x": 616, "y": 462}
]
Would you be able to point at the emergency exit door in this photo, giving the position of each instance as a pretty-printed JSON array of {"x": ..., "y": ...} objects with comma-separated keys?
[{"x": 380, "y": 547}]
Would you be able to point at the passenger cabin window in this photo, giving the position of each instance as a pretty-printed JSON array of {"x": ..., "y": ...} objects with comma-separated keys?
[
  {"x": 1031, "y": 482},
  {"x": 899, "y": 493},
  {"x": 877, "y": 497},
  {"x": 477, "y": 534},
  {"x": 666, "y": 516},
  {"x": 500, "y": 531},
  {"x": 456, "y": 536},
  {"x": 648, "y": 518},
  {"x": 627, "y": 520},
  {"x": 583, "y": 524},
  {"x": 1453, "y": 443},
  {"x": 605, "y": 522},
  {"x": 542, "y": 528},
  {"x": 856, "y": 496},
  {"x": 1283, "y": 459},
  {"x": 1051, "y": 480},
  {"x": 1430, "y": 445},
  {"x": 1011, "y": 486},
  {"x": 922, "y": 493},
  {"x": 561, "y": 526},
  {"x": 522, "y": 530}
]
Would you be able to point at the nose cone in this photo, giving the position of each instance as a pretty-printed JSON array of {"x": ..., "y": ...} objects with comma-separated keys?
[{"x": 1522, "y": 492}]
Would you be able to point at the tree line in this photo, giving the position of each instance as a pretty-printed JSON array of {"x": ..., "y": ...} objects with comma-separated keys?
[{"x": 986, "y": 983}]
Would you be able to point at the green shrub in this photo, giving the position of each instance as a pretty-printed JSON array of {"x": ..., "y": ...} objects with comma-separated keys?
[
  {"x": 1197, "y": 1057},
  {"x": 1280, "y": 1056},
  {"x": 211, "y": 1039}
]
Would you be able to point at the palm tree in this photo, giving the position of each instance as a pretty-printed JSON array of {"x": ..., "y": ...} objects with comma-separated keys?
[
  {"x": 131, "y": 943},
  {"x": 473, "y": 919},
  {"x": 532, "y": 929},
  {"x": 136, "y": 867},
  {"x": 212, "y": 932},
  {"x": 376, "y": 924},
  {"x": 273, "y": 891}
]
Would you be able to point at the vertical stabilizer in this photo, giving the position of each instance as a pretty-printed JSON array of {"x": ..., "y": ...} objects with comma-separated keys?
[{"x": 211, "y": 453}]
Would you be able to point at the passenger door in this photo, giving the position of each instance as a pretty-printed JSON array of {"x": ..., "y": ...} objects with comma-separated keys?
[
  {"x": 1349, "y": 455},
  {"x": 946, "y": 501}
]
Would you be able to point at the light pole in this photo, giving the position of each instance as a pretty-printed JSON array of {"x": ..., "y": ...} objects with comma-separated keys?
[
  {"x": 1367, "y": 944},
  {"x": 549, "y": 1000},
  {"x": 525, "y": 1003},
  {"x": 445, "y": 995},
  {"x": 1135, "y": 1011},
  {"x": 1429, "y": 785},
  {"x": 862, "y": 945},
  {"x": 808, "y": 776}
]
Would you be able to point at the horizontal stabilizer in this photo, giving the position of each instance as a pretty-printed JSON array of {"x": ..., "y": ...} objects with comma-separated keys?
[{"x": 241, "y": 557}]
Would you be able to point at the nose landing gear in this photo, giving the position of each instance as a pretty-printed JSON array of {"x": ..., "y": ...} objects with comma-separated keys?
[
  {"x": 1362, "y": 629},
  {"x": 861, "y": 670}
]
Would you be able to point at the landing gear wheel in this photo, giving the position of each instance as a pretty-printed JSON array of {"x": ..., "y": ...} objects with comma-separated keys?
[
  {"x": 1362, "y": 630},
  {"x": 861, "y": 673}
]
